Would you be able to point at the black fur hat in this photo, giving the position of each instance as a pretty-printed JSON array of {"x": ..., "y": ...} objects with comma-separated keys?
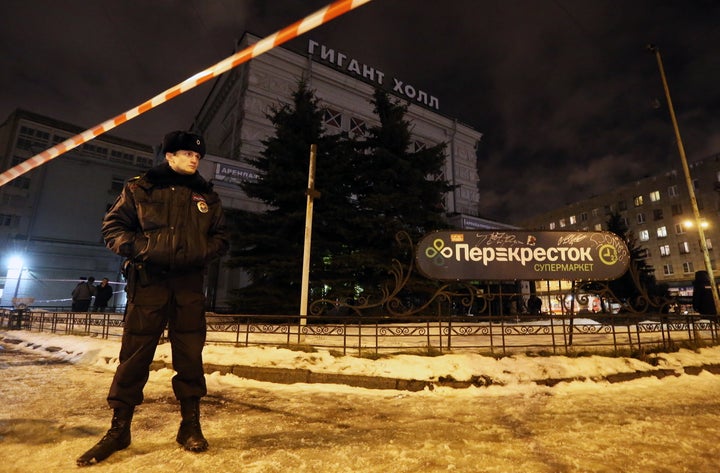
[{"x": 182, "y": 140}]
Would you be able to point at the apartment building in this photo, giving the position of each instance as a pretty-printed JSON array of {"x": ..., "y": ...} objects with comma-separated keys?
[{"x": 657, "y": 209}]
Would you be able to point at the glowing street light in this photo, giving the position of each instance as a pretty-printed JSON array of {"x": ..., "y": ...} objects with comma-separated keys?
[
  {"x": 15, "y": 263},
  {"x": 690, "y": 224}
]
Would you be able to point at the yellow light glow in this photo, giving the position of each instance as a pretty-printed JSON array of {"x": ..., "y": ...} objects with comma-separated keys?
[{"x": 691, "y": 224}]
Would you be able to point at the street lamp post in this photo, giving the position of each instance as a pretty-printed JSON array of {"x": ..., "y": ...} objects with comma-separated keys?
[{"x": 688, "y": 180}]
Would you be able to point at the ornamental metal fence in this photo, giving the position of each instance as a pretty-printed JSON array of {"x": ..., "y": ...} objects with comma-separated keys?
[
  {"x": 498, "y": 318},
  {"x": 366, "y": 336}
]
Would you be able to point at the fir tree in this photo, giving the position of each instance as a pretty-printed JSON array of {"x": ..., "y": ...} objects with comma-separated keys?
[
  {"x": 369, "y": 192},
  {"x": 639, "y": 281},
  {"x": 269, "y": 245},
  {"x": 397, "y": 188}
]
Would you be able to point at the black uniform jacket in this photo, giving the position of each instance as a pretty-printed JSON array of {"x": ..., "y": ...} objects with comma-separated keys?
[{"x": 166, "y": 220}]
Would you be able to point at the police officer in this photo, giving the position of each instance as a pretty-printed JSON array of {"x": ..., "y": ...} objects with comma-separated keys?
[{"x": 169, "y": 225}]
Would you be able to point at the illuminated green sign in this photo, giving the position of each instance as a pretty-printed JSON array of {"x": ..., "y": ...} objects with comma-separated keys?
[{"x": 522, "y": 254}]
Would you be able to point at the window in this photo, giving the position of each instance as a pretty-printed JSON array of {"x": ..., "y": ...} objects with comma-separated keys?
[
  {"x": 673, "y": 191},
  {"x": 638, "y": 200},
  {"x": 708, "y": 243},
  {"x": 21, "y": 182},
  {"x": 562, "y": 223},
  {"x": 608, "y": 209},
  {"x": 662, "y": 232},
  {"x": 9, "y": 220},
  {"x": 667, "y": 269},
  {"x": 688, "y": 267},
  {"x": 120, "y": 157},
  {"x": 657, "y": 214},
  {"x": 644, "y": 235},
  {"x": 117, "y": 184},
  {"x": 684, "y": 247},
  {"x": 551, "y": 226},
  {"x": 677, "y": 209},
  {"x": 418, "y": 146},
  {"x": 573, "y": 220},
  {"x": 332, "y": 118},
  {"x": 357, "y": 127},
  {"x": 583, "y": 216},
  {"x": 641, "y": 218},
  {"x": 595, "y": 212},
  {"x": 679, "y": 229},
  {"x": 664, "y": 250},
  {"x": 598, "y": 227},
  {"x": 654, "y": 196},
  {"x": 144, "y": 162}
]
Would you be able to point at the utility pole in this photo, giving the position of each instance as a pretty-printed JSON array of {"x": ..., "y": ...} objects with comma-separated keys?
[
  {"x": 311, "y": 194},
  {"x": 688, "y": 180}
]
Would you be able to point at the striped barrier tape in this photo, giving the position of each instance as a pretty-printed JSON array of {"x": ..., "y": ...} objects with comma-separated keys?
[{"x": 298, "y": 28}]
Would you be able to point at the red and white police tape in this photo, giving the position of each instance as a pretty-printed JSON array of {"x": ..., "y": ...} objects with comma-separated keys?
[{"x": 308, "y": 23}]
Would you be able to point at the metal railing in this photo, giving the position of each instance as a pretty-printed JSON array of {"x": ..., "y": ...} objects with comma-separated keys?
[{"x": 496, "y": 335}]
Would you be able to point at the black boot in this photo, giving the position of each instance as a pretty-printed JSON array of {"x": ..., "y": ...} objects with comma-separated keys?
[
  {"x": 117, "y": 438},
  {"x": 190, "y": 435}
]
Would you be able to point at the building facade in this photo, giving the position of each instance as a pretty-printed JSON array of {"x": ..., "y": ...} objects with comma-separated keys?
[
  {"x": 50, "y": 217},
  {"x": 234, "y": 119},
  {"x": 658, "y": 211}
]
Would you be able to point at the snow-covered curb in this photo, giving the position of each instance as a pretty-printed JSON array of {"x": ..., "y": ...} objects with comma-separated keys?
[{"x": 457, "y": 370}]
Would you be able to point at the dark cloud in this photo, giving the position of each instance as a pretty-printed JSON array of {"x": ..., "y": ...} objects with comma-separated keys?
[{"x": 569, "y": 101}]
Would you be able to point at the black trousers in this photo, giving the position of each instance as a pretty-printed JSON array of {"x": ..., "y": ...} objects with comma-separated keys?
[{"x": 177, "y": 302}]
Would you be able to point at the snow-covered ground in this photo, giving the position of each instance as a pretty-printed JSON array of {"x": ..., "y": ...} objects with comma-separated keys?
[{"x": 51, "y": 412}]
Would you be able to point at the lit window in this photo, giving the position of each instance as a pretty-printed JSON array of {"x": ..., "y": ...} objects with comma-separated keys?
[
  {"x": 654, "y": 196},
  {"x": 662, "y": 232},
  {"x": 551, "y": 226},
  {"x": 664, "y": 250},
  {"x": 598, "y": 227},
  {"x": 573, "y": 220},
  {"x": 562, "y": 223},
  {"x": 638, "y": 200},
  {"x": 708, "y": 243},
  {"x": 644, "y": 235},
  {"x": 684, "y": 247}
]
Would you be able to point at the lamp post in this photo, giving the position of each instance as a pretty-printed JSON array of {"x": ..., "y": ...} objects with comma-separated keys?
[{"x": 688, "y": 180}]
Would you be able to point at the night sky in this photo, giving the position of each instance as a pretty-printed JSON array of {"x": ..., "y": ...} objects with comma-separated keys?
[{"x": 568, "y": 99}]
